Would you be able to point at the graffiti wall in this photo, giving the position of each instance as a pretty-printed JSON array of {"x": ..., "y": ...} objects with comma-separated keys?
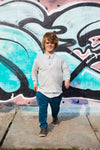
[{"x": 22, "y": 26}]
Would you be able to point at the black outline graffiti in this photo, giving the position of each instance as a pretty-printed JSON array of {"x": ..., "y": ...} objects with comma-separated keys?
[
  {"x": 24, "y": 86},
  {"x": 48, "y": 24}
]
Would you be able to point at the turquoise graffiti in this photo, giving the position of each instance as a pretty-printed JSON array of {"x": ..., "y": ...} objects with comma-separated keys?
[{"x": 22, "y": 25}]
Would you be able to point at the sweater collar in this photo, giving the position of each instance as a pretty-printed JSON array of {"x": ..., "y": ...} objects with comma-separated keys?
[{"x": 49, "y": 57}]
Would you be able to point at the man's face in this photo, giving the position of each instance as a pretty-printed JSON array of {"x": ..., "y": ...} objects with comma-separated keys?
[{"x": 49, "y": 47}]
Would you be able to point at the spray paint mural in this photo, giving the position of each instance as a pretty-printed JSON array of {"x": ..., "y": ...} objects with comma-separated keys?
[{"x": 22, "y": 25}]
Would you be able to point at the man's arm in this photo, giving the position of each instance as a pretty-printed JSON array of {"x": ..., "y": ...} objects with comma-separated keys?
[
  {"x": 66, "y": 74},
  {"x": 35, "y": 87},
  {"x": 34, "y": 74},
  {"x": 67, "y": 83}
]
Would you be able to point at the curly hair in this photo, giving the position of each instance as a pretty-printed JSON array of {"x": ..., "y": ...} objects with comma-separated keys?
[{"x": 51, "y": 37}]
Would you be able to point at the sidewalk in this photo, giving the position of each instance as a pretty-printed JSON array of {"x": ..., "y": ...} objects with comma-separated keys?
[{"x": 20, "y": 129}]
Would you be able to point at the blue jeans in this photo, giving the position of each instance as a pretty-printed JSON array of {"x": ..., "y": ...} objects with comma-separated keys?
[{"x": 43, "y": 101}]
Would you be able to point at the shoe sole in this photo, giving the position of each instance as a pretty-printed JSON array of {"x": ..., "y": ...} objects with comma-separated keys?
[
  {"x": 55, "y": 124},
  {"x": 42, "y": 135}
]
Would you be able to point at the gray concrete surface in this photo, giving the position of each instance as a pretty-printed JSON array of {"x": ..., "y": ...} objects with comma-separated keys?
[
  {"x": 5, "y": 119},
  {"x": 73, "y": 131}
]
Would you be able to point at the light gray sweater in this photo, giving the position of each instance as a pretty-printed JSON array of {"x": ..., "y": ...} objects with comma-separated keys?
[{"x": 50, "y": 70}]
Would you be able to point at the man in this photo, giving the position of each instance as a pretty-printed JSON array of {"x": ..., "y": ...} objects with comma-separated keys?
[{"x": 49, "y": 68}]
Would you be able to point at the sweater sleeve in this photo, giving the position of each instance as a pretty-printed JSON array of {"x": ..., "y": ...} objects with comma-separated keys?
[
  {"x": 35, "y": 71},
  {"x": 65, "y": 69}
]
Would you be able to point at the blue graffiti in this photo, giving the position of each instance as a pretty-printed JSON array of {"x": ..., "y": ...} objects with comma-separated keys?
[{"x": 21, "y": 31}]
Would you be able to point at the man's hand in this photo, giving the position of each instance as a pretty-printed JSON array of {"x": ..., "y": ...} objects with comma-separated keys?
[
  {"x": 35, "y": 87},
  {"x": 67, "y": 83}
]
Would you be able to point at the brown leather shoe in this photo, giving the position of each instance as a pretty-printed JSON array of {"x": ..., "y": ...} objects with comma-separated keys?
[
  {"x": 43, "y": 132},
  {"x": 55, "y": 121}
]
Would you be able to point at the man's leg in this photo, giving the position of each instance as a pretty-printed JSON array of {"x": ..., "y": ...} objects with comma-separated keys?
[
  {"x": 43, "y": 104},
  {"x": 55, "y": 105}
]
